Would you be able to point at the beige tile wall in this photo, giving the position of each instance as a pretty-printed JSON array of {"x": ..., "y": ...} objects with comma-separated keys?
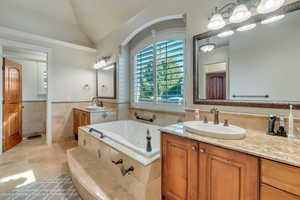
[{"x": 62, "y": 120}]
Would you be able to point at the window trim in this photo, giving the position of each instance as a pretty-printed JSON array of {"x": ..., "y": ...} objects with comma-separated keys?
[{"x": 167, "y": 34}]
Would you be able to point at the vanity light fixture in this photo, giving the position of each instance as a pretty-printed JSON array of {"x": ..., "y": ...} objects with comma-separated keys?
[
  {"x": 240, "y": 11},
  {"x": 207, "y": 47},
  {"x": 216, "y": 22},
  {"x": 267, "y": 6},
  {"x": 272, "y": 19},
  {"x": 246, "y": 27},
  {"x": 102, "y": 62},
  {"x": 226, "y": 34},
  {"x": 240, "y": 14}
]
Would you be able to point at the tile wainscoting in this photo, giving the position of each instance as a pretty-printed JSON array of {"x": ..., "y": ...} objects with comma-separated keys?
[{"x": 62, "y": 119}]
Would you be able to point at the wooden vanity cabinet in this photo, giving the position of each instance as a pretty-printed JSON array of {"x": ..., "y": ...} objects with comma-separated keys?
[
  {"x": 197, "y": 171},
  {"x": 180, "y": 170},
  {"x": 80, "y": 118},
  {"x": 279, "y": 181},
  {"x": 227, "y": 175}
]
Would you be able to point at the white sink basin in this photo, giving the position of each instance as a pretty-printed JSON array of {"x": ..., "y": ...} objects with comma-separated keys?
[
  {"x": 216, "y": 131},
  {"x": 94, "y": 108}
]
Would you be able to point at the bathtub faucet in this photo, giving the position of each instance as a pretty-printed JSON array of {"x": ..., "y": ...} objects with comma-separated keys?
[
  {"x": 99, "y": 132},
  {"x": 125, "y": 171},
  {"x": 148, "y": 138}
]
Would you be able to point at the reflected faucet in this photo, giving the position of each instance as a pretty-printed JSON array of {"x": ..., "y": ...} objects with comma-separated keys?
[{"x": 216, "y": 112}]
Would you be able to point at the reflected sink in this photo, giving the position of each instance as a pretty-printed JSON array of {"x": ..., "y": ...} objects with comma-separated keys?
[
  {"x": 216, "y": 131},
  {"x": 94, "y": 108}
]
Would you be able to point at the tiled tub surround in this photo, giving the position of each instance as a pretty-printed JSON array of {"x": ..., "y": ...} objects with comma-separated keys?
[
  {"x": 92, "y": 168},
  {"x": 275, "y": 148}
]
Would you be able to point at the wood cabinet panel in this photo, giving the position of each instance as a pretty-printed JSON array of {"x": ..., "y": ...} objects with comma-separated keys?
[
  {"x": 270, "y": 193},
  {"x": 227, "y": 175},
  {"x": 80, "y": 118},
  {"x": 180, "y": 160},
  {"x": 281, "y": 176}
]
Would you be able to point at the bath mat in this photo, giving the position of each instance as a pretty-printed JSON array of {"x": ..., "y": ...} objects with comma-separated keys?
[{"x": 58, "y": 188}]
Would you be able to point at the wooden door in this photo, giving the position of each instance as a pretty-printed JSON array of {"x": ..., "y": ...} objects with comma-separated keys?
[
  {"x": 179, "y": 168},
  {"x": 216, "y": 85},
  {"x": 12, "y": 104},
  {"x": 226, "y": 174}
]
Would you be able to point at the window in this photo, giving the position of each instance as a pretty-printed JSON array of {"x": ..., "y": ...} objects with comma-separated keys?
[{"x": 159, "y": 73}]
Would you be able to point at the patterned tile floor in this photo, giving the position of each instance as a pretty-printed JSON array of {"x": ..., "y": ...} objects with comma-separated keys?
[
  {"x": 31, "y": 163},
  {"x": 58, "y": 188}
]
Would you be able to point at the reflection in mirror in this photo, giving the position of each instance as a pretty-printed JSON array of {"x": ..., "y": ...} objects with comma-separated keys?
[
  {"x": 254, "y": 63},
  {"x": 106, "y": 82}
]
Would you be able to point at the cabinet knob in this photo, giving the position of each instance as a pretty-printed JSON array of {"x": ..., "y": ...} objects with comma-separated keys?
[
  {"x": 201, "y": 150},
  {"x": 194, "y": 148}
]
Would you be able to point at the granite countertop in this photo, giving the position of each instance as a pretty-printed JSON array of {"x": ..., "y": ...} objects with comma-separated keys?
[
  {"x": 96, "y": 111},
  {"x": 285, "y": 150}
]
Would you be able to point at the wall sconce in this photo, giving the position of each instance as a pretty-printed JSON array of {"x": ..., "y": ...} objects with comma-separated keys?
[{"x": 102, "y": 62}]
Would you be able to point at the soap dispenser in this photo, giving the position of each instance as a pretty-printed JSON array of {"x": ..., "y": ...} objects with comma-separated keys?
[
  {"x": 281, "y": 130},
  {"x": 271, "y": 125}
]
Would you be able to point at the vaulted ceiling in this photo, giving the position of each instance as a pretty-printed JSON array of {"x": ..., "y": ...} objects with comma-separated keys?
[{"x": 93, "y": 19}]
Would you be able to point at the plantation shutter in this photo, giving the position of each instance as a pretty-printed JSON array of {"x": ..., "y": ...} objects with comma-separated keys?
[
  {"x": 170, "y": 71},
  {"x": 144, "y": 82}
]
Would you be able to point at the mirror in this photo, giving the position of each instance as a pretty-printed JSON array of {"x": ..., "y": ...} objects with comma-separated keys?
[
  {"x": 106, "y": 82},
  {"x": 260, "y": 65}
]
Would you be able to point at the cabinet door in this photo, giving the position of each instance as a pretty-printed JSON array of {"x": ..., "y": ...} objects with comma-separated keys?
[
  {"x": 84, "y": 118},
  {"x": 76, "y": 117},
  {"x": 180, "y": 160},
  {"x": 226, "y": 174}
]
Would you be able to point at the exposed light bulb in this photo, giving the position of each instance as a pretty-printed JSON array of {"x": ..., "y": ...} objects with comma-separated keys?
[
  {"x": 240, "y": 14},
  {"x": 226, "y": 34},
  {"x": 208, "y": 47},
  {"x": 272, "y": 19},
  {"x": 267, "y": 6},
  {"x": 102, "y": 63},
  {"x": 246, "y": 27},
  {"x": 216, "y": 22},
  {"x": 96, "y": 65}
]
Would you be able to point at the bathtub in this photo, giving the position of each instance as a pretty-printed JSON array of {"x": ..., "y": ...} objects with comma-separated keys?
[{"x": 129, "y": 137}]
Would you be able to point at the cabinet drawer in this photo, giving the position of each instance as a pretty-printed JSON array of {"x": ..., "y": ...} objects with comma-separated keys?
[
  {"x": 271, "y": 193},
  {"x": 281, "y": 176}
]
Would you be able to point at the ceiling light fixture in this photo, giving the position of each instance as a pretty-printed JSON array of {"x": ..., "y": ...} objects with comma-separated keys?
[
  {"x": 240, "y": 14},
  {"x": 272, "y": 19},
  {"x": 246, "y": 27},
  {"x": 226, "y": 34},
  {"x": 267, "y": 6},
  {"x": 208, "y": 47}
]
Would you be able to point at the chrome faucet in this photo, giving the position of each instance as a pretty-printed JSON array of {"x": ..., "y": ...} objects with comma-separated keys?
[{"x": 216, "y": 112}]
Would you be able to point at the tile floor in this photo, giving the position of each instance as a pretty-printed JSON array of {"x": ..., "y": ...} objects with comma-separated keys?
[{"x": 32, "y": 160}]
